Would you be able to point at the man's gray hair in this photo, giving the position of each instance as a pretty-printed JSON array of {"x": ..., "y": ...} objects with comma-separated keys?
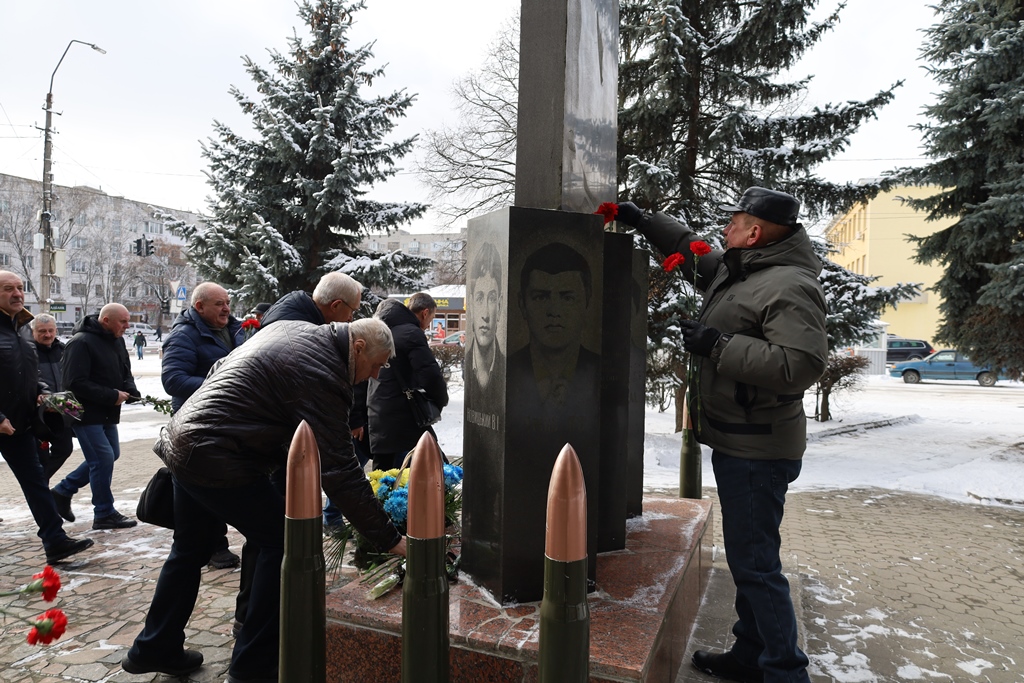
[
  {"x": 202, "y": 291},
  {"x": 421, "y": 301},
  {"x": 338, "y": 287},
  {"x": 42, "y": 319},
  {"x": 375, "y": 333}
]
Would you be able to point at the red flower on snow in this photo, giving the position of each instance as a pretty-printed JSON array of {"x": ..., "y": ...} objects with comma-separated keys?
[
  {"x": 609, "y": 210},
  {"x": 46, "y": 582},
  {"x": 673, "y": 261},
  {"x": 700, "y": 248},
  {"x": 49, "y": 627}
]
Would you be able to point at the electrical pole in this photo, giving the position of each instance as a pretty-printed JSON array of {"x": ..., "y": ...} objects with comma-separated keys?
[{"x": 45, "y": 244}]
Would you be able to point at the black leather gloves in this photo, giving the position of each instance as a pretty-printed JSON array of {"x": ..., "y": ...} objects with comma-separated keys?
[
  {"x": 630, "y": 214},
  {"x": 698, "y": 338}
]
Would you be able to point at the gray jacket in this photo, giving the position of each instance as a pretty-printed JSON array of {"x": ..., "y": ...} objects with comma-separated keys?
[{"x": 749, "y": 404}]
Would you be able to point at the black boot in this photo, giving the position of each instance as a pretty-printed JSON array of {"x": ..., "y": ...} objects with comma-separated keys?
[
  {"x": 63, "y": 504},
  {"x": 724, "y": 665}
]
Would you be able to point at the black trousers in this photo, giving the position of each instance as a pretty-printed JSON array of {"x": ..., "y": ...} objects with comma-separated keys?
[{"x": 19, "y": 450}]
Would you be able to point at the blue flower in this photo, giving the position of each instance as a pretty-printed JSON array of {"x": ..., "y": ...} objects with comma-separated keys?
[
  {"x": 387, "y": 482},
  {"x": 452, "y": 475},
  {"x": 397, "y": 505}
]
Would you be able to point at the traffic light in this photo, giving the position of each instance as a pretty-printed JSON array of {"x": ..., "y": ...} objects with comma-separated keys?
[
  {"x": 139, "y": 246},
  {"x": 149, "y": 246},
  {"x": 165, "y": 307}
]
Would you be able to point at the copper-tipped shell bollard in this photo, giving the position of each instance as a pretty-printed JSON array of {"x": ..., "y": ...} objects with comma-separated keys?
[
  {"x": 303, "y": 641},
  {"x": 425, "y": 640},
  {"x": 564, "y": 655}
]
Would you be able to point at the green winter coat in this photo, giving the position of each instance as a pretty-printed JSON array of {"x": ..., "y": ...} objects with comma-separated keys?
[{"x": 749, "y": 404}]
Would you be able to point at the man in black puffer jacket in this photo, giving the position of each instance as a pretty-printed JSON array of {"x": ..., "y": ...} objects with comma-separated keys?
[
  {"x": 393, "y": 428},
  {"x": 19, "y": 391},
  {"x": 54, "y": 452},
  {"x": 96, "y": 368},
  {"x": 222, "y": 447}
]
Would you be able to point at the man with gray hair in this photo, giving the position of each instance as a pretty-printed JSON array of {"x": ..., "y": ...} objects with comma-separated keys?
[
  {"x": 335, "y": 300},
  {"x": 220, "y": 447},
  {"x": 55, "y": 450},
  {"x": 199, "y": 337}
]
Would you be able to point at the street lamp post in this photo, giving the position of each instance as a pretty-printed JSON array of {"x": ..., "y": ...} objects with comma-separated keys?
[{"x": 47, "y": 249}]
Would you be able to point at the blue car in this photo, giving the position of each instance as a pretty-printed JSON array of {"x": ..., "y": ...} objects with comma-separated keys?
[{"x": 945, "y": 364}]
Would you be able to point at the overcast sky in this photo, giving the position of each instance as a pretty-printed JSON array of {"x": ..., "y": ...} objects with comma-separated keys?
[{"x": 132, "y": 118}]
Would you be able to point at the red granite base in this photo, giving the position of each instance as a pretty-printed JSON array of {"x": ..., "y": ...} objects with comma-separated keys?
[{"x": 640, "y": 616}]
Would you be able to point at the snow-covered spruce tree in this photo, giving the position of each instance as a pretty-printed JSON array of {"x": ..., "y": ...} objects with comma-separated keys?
[
  {"x": 976, "y": 141},
  {"x": 704, "y": 114},
  {"x": 291, "y": 204}
]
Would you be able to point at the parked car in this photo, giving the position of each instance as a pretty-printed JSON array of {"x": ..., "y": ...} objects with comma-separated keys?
[
  {"x": 450, "y": 340},
  {"x": 898, "y": 348},
  {"x": 135, "y": 328},
  {"x": 945, "y": 364},
  {"x": 64, "y": 328}
]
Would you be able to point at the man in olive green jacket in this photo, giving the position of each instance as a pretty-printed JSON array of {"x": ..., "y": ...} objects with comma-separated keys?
[{"x": 759, "y": 342}]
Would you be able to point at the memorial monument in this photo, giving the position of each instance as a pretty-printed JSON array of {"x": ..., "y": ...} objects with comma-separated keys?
[{"x": 547, "y": 291}]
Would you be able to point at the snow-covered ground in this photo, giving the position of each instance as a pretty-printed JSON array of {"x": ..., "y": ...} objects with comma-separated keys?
[{"x": 952, "y": 439}]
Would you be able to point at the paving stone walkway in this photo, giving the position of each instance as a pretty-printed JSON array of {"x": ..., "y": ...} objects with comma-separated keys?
[{"x": 889, "y": 587}]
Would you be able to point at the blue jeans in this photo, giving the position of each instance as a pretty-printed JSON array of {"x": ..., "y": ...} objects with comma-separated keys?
[
  {"x": 101, "y": 448},
  {"x": 257, "y": 511},
  {"x": 752, "y": 494},
  {"x": 19, "y": 450}
]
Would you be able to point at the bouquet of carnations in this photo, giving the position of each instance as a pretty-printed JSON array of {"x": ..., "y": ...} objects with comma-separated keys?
[
  {"x": 63, "y": 402},
  {"x": 50, "y": 625},
  {"x": 250, "y": 326}
]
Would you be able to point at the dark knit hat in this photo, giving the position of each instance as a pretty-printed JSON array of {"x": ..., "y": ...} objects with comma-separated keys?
[{"x": 260, "y": 309}]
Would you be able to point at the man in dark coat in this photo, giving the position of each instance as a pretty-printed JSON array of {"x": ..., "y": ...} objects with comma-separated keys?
[
  {"x": 393, "y": 428},
  {"x": 199, "y": 337},
  {"x": 222, "y": 445},
  {"x": 96, "y": 368},
  {"x": 56, "y": 448},
  {"x": 19, "y": 392},
  {"x": 336, "y": 299},
  {"x": 758, "y": 344}
]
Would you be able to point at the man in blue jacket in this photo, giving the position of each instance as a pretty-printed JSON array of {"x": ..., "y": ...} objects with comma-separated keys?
[{"x": 199, "y": 337}]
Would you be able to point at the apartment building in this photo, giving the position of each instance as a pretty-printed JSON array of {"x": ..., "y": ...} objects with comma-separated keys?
[{"x": 871, "y": 239}]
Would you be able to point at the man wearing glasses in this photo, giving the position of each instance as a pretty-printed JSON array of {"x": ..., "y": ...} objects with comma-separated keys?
[{"x": 335, "y": 299}]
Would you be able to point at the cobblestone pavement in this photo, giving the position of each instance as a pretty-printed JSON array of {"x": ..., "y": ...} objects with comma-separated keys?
[{"x": 888, "y": 586}]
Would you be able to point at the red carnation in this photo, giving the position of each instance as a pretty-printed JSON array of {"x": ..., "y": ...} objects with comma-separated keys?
[
  {"x": 47, "y": 582},
  {"x": 700, "y": 248},
  {"x": 49, "y": 627},
  {"x": 609, "y": 210},
  {"x": 670, "y": 263},
  {"x": 250, "y": 324}
]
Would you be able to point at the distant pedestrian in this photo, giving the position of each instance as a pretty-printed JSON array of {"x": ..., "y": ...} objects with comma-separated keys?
[
  {"x": 97, "y": 369},
  {"x": 139, "y": 343},
  {"x": 159, "y": 333},
  {"x": 19, "y": 395},
  {"x": 55, "y": 450}
]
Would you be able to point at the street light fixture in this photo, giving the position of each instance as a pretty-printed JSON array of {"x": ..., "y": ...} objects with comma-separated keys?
[{"x": 46, "y": 264}]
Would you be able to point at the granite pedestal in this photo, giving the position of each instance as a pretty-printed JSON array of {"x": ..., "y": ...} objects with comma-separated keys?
[{"x": 641, "y": 614}]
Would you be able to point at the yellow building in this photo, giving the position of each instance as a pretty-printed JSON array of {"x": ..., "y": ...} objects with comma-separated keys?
[{"x": 871, "y": 239}]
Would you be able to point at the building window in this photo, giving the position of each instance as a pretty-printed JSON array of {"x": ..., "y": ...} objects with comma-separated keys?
[
  {"x": 78, "y": 289},
  {"x": 394, "y": 246},
  {"x": 79, "y": 242},
  {"x": 5, "y": 259},
  {"x": 153, "y": 227},
  {"x": 132, "y": 291},
  {"x": 30, "y": 261},
  {"x": 54, "y": 286},
  {"x": 78, "y": 266},
  {"x": 5, "y": 234},
  {"x": 99, "y": 290},
  {"x": 413, "y": 248}
]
